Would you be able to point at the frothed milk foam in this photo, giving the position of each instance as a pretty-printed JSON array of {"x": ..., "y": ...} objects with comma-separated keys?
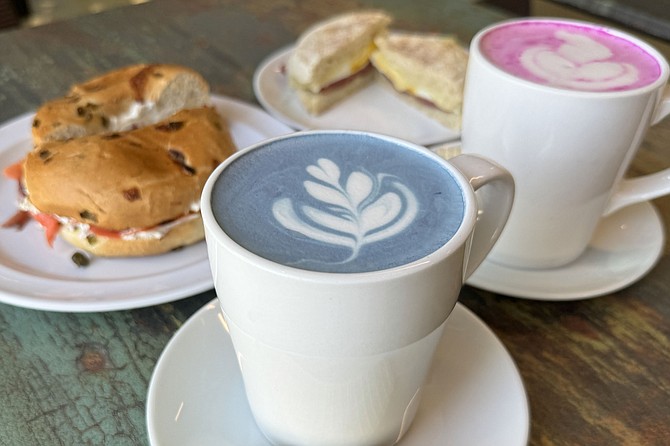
[
  {"x": 343, "y": 205},
  {"x": 570, "y": 56}
]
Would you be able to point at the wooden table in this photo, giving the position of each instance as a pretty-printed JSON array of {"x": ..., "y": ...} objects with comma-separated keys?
[{"x": 597, "y": 371}]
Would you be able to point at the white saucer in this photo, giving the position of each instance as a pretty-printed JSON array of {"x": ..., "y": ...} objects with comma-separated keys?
[
  {"x": 625, "y": 247},
  {"x": 375, "y": 108},
  {"x": 474, "y": 395}
]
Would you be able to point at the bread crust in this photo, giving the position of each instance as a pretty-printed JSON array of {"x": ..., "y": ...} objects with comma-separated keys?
[
  {"x": 133, "y": 179},
  {"x": 335, "y": 48},
  {"x": 331, "y": 52},
  {"x": 119, "y": 100}
]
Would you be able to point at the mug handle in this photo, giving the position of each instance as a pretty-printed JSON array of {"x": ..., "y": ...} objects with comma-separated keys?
[
  {"x": 494, "y": 189},
  {"x": 646, "y": 187}
]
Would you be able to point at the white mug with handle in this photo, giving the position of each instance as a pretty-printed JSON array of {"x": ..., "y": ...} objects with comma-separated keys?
[
  {"x": 337, "y": 257},
  {"x": 564, "y": 106}
]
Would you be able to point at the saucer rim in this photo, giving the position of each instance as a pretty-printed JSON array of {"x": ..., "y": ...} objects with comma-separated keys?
[
  {"x": 464, "y": 315},
  {"x": 488, "y": 283}
]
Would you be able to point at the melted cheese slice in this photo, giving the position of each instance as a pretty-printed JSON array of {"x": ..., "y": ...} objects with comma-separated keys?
[
  {"x": 345, "y": 70},
  {"x": 400, "y": 82}
]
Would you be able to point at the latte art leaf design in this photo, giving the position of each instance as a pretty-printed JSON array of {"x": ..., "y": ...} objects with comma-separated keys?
[{"x": 363, "y": 210}]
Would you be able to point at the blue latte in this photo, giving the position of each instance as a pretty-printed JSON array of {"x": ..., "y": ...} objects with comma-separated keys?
[{"x": 338, "y": 203}]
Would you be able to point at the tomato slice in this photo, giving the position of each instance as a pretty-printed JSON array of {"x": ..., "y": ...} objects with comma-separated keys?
[
  {"x": 50, "y": 225},
  {"x": 14, "y": 171}
]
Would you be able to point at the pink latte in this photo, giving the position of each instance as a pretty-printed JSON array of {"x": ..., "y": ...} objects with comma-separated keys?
[{"x": 571, "y": 56}]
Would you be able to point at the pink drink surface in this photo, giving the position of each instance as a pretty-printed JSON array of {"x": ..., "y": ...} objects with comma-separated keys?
[{"x": 570, "y": 56}]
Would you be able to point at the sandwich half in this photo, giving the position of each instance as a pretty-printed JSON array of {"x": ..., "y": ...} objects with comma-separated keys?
[
  {"x": 120, "y": 161},
  {"x": 120, "y": 100},
  {"x": 428, "y": 69},
  {"x": 331, "y": 59},
  {"x": 132, "y": 193}
]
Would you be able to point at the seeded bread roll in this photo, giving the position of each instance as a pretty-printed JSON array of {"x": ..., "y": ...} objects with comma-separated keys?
[
  {"x": 130, "y": 181},
  {"x": 123, "y": 99}
]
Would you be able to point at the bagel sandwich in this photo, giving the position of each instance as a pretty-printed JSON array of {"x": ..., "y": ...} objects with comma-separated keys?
[
  {"x": 427, "y": 69},
  {"x": 120, "y": 100},
  {"x": 331, "y": 59},
  {"x": 130, "y": 193}
]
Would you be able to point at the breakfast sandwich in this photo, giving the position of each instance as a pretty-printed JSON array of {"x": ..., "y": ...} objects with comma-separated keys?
[
  {"x": 331, "y": 59},
  {"x": 119, "y": 164},
  {"x": 428, "y": 69}
]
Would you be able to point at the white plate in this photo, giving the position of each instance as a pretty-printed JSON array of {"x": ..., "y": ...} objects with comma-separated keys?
[
  {"x": 375, "y": 108},
  {"x": 625, "y": 247},
  {"x": 474, "y": 394},
  {"x": 35, "y": 276}
]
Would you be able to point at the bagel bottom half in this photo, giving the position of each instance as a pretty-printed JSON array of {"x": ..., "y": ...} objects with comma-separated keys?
[{"x": 183, "y": 234}]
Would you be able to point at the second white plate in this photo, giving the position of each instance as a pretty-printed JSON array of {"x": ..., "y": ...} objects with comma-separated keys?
[
  {"x": 35, "y": 276},
  {"x": 375, "y": 108}
]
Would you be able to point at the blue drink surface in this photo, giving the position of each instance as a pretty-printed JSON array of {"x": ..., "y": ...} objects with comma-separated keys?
[{"x": 340, "y": 203}]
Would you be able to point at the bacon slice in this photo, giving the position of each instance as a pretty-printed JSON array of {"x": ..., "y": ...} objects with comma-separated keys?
[{"x": 342, "y": 82}]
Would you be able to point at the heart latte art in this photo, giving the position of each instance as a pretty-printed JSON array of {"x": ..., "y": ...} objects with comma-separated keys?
[{"x": 570, "y": 56}]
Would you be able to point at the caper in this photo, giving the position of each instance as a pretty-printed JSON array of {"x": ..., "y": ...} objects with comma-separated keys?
[{"x": 80, "y": 259}]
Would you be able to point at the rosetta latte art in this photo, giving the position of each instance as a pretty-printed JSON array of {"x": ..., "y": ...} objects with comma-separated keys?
[
  {"x": 579, "y": 63},
  {"x": 362, "y": 210}
]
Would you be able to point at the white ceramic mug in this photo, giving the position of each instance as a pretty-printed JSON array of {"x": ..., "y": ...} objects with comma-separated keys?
[
  {"x": 334, "y": 351},
  {"x": 567, "y": 136}
]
